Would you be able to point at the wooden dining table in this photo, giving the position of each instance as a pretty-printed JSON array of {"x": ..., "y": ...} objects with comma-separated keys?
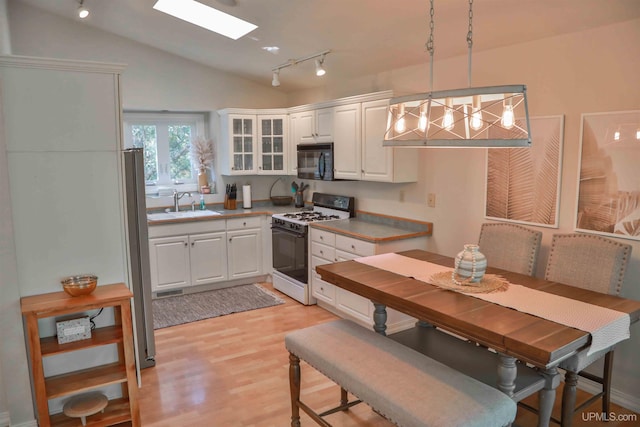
[{"x": 526, "y": 349}]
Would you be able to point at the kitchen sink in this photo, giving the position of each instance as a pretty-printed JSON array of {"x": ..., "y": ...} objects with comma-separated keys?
[{"x": 183, "y": 214}]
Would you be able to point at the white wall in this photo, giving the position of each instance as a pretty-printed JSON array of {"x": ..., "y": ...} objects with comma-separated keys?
[
  {"x": 591, "y": 71},
  {"x": 153, "y": 79}
]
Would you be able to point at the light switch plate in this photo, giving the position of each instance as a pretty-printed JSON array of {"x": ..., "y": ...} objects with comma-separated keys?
[{"x": 73, "y": 330}]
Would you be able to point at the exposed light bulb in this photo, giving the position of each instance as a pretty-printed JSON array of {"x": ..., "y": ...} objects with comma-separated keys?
[
  {"x": 476, "y": 114},
  {"x": 508, "y": 118},
  {"x": 320, "y": 71},
  {"x": 276, "y": 79},
  {"x": 616, "y": 135},
  {"x": 400, "y": 125},
  {"x": 423, "y": 121},
  {"x": 638, "y": 134},
  {"x": 447, "y": 120}
]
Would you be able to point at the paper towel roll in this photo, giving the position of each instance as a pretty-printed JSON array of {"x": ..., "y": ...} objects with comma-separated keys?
[{"x": 246, "y": 196}]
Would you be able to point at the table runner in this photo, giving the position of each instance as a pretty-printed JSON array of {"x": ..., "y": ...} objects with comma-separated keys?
[{"x": 607, "y": 327}]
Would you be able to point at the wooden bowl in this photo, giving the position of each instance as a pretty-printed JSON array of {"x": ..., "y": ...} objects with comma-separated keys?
[{"x": 82, "y": 284}]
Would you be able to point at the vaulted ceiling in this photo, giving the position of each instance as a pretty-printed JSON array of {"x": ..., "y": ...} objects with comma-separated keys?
[{"x": 365, "y": 36}]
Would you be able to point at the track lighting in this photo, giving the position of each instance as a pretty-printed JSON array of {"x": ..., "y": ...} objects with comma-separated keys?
[
  {"x": 320, "y": 71},
  {"x": 83, "y": 12}
]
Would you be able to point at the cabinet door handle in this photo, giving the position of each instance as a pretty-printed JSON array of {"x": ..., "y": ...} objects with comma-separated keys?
[
  {"x": 230, "y": 238},
  {"x": 353, "y": 247},
  {"x": 186, "y": 244},
  {"x": 322, "y": 252},
  {"x": 193, "y": 243},
  {"x": 244, "y": 224}
]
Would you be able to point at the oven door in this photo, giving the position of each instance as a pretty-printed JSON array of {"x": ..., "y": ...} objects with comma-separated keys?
[{"x": 289, "y": 250}]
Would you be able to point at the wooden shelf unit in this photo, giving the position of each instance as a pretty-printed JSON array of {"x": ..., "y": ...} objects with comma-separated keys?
[{"x": 118, "y": 411}]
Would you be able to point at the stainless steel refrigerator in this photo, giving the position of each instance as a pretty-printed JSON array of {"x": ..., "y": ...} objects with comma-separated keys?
[{"x": 138, "y": 239}]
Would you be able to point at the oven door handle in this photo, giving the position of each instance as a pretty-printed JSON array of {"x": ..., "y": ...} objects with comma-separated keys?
[{"x": 295, "y": 233}]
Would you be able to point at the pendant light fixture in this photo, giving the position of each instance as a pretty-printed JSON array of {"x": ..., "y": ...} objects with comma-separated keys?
[{"x": 494, "y": 116}]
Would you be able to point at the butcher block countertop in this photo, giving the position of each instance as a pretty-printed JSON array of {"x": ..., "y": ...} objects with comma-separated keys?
[{"x": 377, "y": 228}]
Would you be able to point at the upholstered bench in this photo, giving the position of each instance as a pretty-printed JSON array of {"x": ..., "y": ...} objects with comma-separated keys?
[{"x": 406, "y": 387}]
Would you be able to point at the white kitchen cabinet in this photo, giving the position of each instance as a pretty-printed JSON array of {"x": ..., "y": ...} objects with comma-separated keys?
[
  {"x": 347, "y": 141},
  {"x": 384, "y": 164},
  {"x": 238, "y": 144},
  {"x": 244, "y": 247},
  {"x": 253, "y": 142},
  {"x": 314, "y": 125},
  {"x": 182, "y": 255},
  {"x": 208, "y": 258},
  {"x": 327, "y": 247},
  {"x": 272, "y": 144},
  {"x": 169, "y": 262}
]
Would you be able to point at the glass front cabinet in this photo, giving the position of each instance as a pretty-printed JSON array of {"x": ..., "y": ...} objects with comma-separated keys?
[{"x": 253, "y": 144}]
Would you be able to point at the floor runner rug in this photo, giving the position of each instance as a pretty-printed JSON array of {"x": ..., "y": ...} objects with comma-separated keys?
[{"x": 171, "y": 311}]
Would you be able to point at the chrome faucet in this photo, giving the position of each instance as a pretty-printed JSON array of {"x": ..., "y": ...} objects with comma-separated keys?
[{"x": 177, "y": 196}]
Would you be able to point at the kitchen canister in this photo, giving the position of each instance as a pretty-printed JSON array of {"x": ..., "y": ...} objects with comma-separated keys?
[{"x": 470, "y": 265}]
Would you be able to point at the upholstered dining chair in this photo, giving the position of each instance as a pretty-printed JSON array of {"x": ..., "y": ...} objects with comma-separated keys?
[
  {"x": 510, "y": 247},
  {"x": 598, "y": 264}
]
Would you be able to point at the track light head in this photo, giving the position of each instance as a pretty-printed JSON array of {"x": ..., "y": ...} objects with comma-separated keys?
[
  {"x": 320, "y": 71},
  {"x": 276, "y": 79},
  {"x": 83, "y": 12}
]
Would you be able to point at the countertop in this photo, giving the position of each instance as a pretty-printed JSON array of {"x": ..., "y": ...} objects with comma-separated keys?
[
  {"x": 376, "y": 228},
  {"x": 257, "y": 209},
  {"x": 366, "y": 226}
]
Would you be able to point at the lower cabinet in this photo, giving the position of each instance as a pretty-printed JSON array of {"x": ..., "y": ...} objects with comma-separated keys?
[
  {"x": 208, "y": 258},
  {"x": 328, "y": 247},
  {"x": 244, "y": 247},
  {"x": 204, "y": 252}
]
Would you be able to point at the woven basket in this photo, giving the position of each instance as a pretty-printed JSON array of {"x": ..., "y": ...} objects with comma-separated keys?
[{"x": 279, "y": 200}]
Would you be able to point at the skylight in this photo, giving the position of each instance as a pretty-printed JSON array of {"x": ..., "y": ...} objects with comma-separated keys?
[{"x": 206, "y": 17}]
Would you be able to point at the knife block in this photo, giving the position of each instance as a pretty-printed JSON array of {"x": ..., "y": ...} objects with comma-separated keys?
[{"x": 229, "y": 203}]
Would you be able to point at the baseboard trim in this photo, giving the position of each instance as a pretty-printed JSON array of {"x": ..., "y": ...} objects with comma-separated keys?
[
  {"x": 32, "y": 423},
  {"x": 625, "y": 400}
]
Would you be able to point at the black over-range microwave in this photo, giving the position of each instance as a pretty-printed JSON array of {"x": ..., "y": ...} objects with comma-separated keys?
[{"x": 315, "y": 161}]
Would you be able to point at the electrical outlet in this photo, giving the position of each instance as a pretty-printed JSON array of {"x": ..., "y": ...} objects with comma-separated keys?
[{"x": 431, "y": 200}]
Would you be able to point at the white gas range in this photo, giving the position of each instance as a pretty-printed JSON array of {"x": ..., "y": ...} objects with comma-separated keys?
[{"x": 290, "y": 242}]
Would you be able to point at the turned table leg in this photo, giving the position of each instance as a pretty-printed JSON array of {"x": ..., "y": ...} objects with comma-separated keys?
[
  {"x": 548, "y": 395},
  {"x": 380, "y": 318},
  {"x": 507, "y": 372}
]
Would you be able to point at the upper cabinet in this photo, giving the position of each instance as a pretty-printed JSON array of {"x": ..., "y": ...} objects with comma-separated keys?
[
  {"x": 385, "y": 164},
  {"x": 347, "y": 141},
  {"x": 265, "y": 141},
  {"x": 314, "y": 125},
  {"x": 272, "y": 138},
  {"x": 252, "y": 143}
]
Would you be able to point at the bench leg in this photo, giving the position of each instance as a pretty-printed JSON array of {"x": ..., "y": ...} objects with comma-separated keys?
[
  {"x": 344, "y": 398},
  {"x": 294, "y": 386},
  {"x": 380, "y": 318}
]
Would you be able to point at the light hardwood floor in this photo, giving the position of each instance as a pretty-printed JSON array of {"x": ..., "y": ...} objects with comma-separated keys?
[{"x": 232, "y": 371}]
